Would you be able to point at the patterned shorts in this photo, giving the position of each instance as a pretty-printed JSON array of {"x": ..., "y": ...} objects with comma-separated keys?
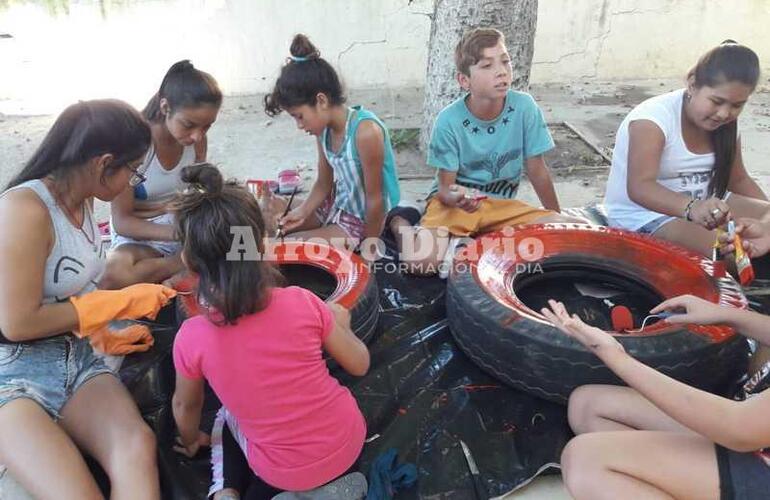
[{"x": 352, "y": 225}]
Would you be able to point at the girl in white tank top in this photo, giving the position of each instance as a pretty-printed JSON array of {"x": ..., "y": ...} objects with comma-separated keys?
[
  {"x": 677, "y": 171},
  {"x": 144, "y": 247}
]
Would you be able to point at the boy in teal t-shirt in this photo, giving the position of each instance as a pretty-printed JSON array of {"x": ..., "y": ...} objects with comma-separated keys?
[
  {"x": 479, "y": 145},
  {"x": 488, "y": 155}
]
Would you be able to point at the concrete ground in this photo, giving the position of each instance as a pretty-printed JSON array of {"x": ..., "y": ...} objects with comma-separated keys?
[{"x": 248, "y": 144}]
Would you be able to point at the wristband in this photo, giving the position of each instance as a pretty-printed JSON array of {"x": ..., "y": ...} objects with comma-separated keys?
[{"x": 688, "y": 208}]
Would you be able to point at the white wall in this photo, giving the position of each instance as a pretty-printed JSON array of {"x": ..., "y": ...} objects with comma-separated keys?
[
  {"x": 632, "y": 39},
  {"x": 124, "y": 51},
  {"x": 53, "y": 59}
]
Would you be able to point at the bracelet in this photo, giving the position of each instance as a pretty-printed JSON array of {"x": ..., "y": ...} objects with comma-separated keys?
[{"x": 688, "y": 208}]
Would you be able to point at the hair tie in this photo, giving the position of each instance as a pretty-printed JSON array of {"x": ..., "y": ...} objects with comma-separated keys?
[
  {"x": 195, "y": 188},
  {"x": 300, "y": 59}
]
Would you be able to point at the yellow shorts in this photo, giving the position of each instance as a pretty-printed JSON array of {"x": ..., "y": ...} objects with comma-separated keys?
[{"x": 492, "y": 215}]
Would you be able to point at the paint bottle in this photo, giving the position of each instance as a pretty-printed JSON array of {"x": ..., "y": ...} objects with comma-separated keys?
[
  {"x": 719, "y": 270},
  {"x": 742, "y": 261}
]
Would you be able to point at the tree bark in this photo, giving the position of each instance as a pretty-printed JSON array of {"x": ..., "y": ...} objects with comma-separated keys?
[{"x": 517, "y": 19}]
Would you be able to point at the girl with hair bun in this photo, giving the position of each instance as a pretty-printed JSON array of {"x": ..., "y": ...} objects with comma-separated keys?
[
  {"x": 285, "y": 423},
  {"x": 144, "y": 247},
  {"x": 357, "y": 182}
]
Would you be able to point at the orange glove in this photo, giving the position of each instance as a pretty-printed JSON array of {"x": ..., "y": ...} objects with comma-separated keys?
[
  {"x": 133, "y": 338},
  {"x": 97, "y": 308}
]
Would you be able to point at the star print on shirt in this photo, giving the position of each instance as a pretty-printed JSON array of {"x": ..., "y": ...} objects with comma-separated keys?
[
  {"x": 506, "y": 120},
  {"x": 475, "y": 130}
]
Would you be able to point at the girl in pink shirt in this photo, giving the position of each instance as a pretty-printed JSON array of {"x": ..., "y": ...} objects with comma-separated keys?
[{"x": 260, "y": 348}]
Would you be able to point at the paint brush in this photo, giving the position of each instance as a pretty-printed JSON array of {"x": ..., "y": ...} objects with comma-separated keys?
[
  {"x": 623, "y": 321},
  {"x": 279, "y": 231}
]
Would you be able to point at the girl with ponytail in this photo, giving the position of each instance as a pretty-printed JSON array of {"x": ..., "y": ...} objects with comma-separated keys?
[
  {"x": 144, "y": 248},
  {"x": 677, "y": 170}
]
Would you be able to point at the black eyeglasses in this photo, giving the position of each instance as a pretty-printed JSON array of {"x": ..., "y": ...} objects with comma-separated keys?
[{"x": 137, "y": 177}]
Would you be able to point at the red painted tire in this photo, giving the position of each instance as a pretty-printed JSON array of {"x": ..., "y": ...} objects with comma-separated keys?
[
  {"x": 515, "y": 343},
  {"x": 355, "y": 289}
]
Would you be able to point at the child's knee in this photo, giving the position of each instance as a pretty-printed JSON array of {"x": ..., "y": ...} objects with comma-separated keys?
[
  {"x": 116, "y": 274},
  {"x": 138, "y": 448},
  {"x": 576, "y": 467},
  {"x": 579, "y": 408}
]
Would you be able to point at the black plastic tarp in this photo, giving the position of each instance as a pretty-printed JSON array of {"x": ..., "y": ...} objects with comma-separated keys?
[{"x": 421, "y": 396}]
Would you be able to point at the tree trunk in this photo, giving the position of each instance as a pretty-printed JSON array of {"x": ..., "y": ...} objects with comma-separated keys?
[{"x": 517, "y": 19}]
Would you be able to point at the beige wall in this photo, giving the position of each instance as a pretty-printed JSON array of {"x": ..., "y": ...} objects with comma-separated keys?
[
  {"x": 124, "y": 51},
  {"x": 632, "y": 39},
  {"x": 243, "y": 43}
]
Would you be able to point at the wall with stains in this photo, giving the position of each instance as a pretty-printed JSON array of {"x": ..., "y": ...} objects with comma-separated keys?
[
  {"x": 63, "y": 50},
  {"x": 633, "y": 39}
]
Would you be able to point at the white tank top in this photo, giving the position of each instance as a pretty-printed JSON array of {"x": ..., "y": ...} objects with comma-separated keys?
[
  {"x": 161, "y": 185},
  {"x": 680, "y": 170}
]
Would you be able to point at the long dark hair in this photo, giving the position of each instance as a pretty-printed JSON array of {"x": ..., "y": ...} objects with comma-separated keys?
[
  {"x": 184, "y": 86},
  {"x": 205, "y": 212},
  {"x": 302, "y": 78},
  {"x": 728, "y": 62},
  {"x": 86, "y": 130}
]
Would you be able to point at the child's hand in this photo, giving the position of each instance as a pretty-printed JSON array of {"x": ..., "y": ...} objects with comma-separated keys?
[
  {"x": 697, "y": 310},
  {"x": 341, "y": 315},
  {"x": 593, "y": 338},
  {"x": 293, "y": 219},
  {"x": 710, "y": 212},
  {"x": 189, "y": 450},
  {"x": 272, "y": 208},
  {"x": 754, "y": 234},
  {"x": 459, "y": 196}
]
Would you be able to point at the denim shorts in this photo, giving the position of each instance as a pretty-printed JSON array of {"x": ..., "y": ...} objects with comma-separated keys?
[
  {"x": 655, "y": 224},
  {"x": 47, "y": 371},
  {"x": 165, "y": 248},
  {"x": 742, "y": 476}
]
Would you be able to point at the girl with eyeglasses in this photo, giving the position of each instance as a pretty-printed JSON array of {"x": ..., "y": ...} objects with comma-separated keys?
[{"x": 57, "y": 396}]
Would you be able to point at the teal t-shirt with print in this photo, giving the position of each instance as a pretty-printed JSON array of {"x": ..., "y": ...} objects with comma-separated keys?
[{"x": 489, "y": 155}]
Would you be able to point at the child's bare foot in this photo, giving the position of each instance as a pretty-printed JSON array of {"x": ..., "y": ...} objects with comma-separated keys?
[{"x": 227, "y": 494}]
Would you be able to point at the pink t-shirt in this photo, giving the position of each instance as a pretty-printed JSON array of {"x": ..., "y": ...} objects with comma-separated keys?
[{"x": 303, "y": 428}]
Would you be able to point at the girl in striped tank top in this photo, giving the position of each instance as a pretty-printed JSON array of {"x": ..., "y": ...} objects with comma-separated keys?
[{"x": 357, "y": 182}]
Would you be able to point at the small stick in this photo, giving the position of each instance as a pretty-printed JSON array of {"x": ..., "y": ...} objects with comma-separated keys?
[{"x": 587, "y": 141}]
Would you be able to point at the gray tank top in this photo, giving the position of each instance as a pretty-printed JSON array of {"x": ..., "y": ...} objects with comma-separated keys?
[{"x": 76, "y": 262}]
